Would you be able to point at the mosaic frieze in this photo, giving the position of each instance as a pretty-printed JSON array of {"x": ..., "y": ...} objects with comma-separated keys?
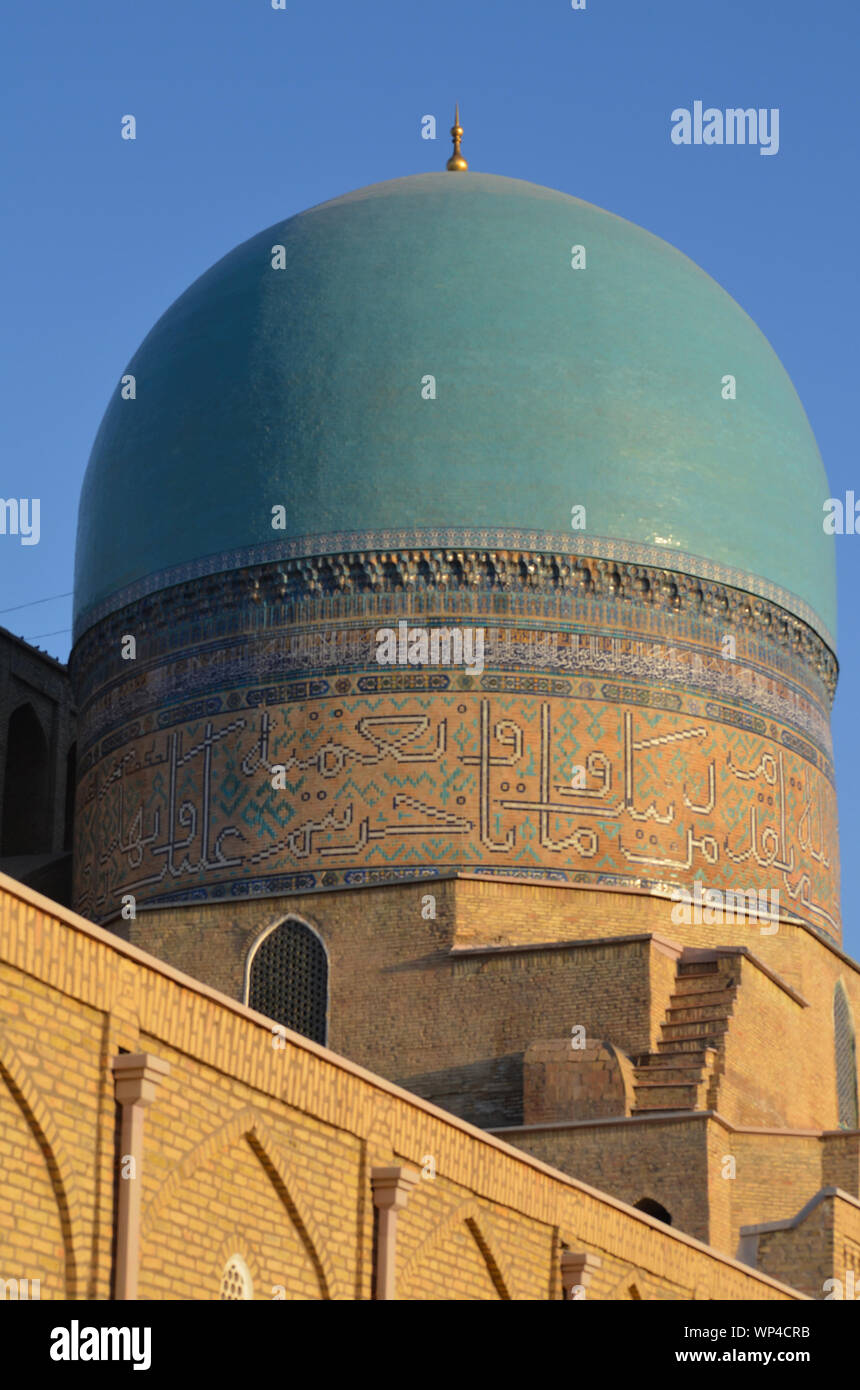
[
  {"x": 595, "y": 594},
  {"x": 369, "y": 784},
  {"x": 218, "y": 674},
  {"x": 378, "y": 559}
]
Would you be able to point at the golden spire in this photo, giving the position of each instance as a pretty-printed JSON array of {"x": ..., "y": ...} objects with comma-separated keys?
[{"x": 456, "y": 163}]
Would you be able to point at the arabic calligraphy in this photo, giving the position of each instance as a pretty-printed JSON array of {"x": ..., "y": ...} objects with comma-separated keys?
[{"x": 423, "y": 779}]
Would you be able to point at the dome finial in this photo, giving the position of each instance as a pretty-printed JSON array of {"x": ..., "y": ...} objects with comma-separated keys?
[{"x": 456, "y": 163}]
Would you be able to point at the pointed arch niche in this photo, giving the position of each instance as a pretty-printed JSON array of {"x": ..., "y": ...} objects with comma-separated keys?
[
  {"x": 846, "y": 1059},
  {"x": 26, "y": 786}
]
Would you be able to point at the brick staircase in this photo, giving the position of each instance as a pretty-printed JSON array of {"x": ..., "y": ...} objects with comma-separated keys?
[{"x": 684, "y": 1072}]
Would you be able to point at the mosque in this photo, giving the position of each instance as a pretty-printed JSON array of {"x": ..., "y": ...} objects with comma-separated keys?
[{"x": 575, "y": 905}]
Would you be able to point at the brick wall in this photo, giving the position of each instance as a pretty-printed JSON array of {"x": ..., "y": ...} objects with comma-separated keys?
[
  {"x": 446, "y": 1005},
  {"x": 563, "y": 1082},
  {"x": 267, "y": 1153},
  {"x": 663, "y": 1159},
  {"x": 840, "y": 1165},
  {"x": 821, "y": 1245},
  {"x": 762, "y": 1081},
  {"x": 775, "y": 1175}
]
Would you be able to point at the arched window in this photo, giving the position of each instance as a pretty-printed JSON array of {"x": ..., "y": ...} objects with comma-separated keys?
[
  {"x": 652, "y": 1208},
  {"x": 236, "y": 1282},
  {"x": 26, "y": 804},
  {"x": 846, "y": 1059},
  {"x": 288, "y": 978}
]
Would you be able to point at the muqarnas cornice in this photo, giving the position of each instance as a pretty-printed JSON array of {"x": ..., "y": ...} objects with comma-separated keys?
[
  {"x": 361, "y": 547},
  {"x": 379, "y": 584}
]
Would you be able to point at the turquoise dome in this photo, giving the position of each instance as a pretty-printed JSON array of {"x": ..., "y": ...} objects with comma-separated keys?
[{"x": 554, "y": 387}]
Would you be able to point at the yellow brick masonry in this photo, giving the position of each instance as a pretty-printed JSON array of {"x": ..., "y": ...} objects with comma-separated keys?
[
  {"x": 267, "y": 1152},
  {"x": 413, "y": 999},
  {"x": 821, "y": 1245}
]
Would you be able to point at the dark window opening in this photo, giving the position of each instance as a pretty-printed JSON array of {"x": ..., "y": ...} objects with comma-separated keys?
[
  {"x": 846, "y": 1059},
  {"x": 652, "y": 1208},
  {"x": 289, "y": 980},
  {"x": 26, "y": 805}
]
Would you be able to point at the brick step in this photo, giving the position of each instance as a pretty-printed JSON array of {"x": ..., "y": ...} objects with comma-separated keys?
[
  {"x": 670, "y": 1075},
  {"x": 693, "y": 1028},
  {"x": 659, "y": 1061},
  {"x": 691, "y": 1042},
  {"x": 708, "y": 987},
  {"x": 711, "y": 971},
  {"x": 711, "y": 979},
  {"x": 661, "y": 1109},
  {"x": 666, "y": 1101},
  {"x": 696, "y": 1013},
  {"x": 673, "y": 1094},
  {"x": 697, "y": 967}
]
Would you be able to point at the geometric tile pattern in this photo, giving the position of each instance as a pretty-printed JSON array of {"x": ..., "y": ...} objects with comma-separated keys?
[{"x": 381, "y": 781}]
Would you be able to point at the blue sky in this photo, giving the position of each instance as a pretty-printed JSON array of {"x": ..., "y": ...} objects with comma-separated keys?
[{"x": 246, "y": 114}]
